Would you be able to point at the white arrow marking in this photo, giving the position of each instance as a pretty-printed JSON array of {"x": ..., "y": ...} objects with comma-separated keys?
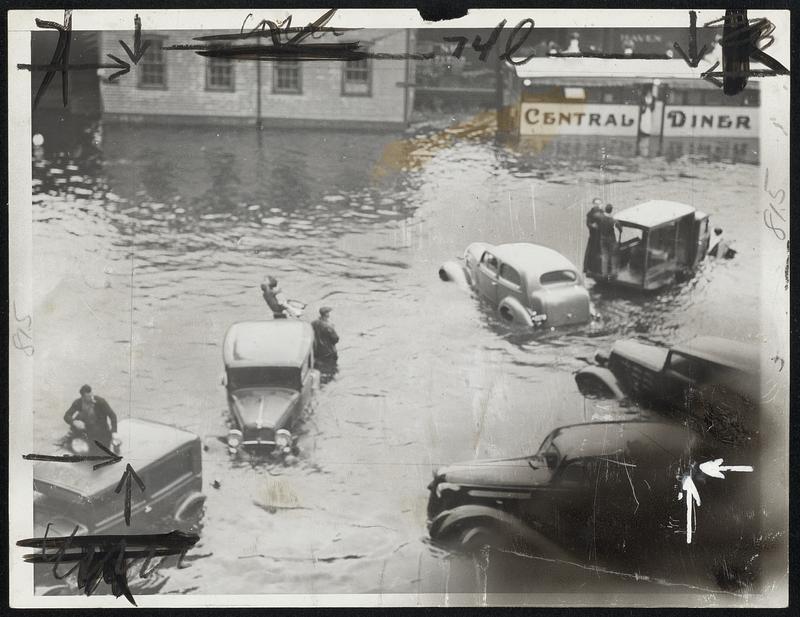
[
  {"x": 715, "y": 468},
  {"x": 691, "y": 496}
]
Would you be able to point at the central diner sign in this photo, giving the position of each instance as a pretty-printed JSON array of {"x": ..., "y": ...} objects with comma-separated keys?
[{"x": 578, "y": 119}]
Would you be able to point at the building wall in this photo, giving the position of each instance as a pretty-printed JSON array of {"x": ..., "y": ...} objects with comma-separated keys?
[{"x": 186, "y": 97}]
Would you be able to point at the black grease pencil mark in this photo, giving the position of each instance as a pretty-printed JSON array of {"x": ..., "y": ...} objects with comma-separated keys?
[
  {"x": 268, "y": 31},
  {"x": 741, "y": 39},
  {"x": 740, "y": 43},
  {"x": 268, "y": 27},
  {"x": 138, "y": 47},
  {"x": 127, "y": 475},
  {"x": 694, "y": 56},
  {"x": 108, "y": 459},
  {"x": 440, "y": 10},
  {"x": 60, "y": 57},
  {"x": 310, "y": 52},
  {"x": 86, "y": 66},
  {"x": 105, "y": 557}
]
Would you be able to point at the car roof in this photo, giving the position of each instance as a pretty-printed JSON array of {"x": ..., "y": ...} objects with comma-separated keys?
[
  {"x": 534, "y": 258},
  {"x": 279, "y": 342},
  {"x": 653, "y": 213},
  {"x": 735, "y": 354},
  {"x": 601, "y": 439},
  {"x": 143, "y": 443}
]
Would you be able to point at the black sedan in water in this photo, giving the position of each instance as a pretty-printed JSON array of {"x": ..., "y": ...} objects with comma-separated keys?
[{"x": 603, "y": 492}]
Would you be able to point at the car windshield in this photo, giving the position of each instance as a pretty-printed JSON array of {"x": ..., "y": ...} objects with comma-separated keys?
[{"x": 261, "y": 376}]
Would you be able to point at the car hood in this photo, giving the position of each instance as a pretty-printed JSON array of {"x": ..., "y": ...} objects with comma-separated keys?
[
  {"x": 506, "y": 472},
  {"x": 650, "y": 356},
  {"x": 263, "y": 407}
]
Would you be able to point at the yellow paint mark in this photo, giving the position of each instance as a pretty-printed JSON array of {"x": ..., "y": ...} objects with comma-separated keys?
[
  {"x": 278, "y": 493},
  {"x": 412, "y": 153}
]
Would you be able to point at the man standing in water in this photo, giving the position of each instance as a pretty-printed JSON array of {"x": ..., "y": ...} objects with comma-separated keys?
[
  {"x": 93, "y": 415},
  {"x": 591, "y": 258},
  {"x": 325, "y": 338},
  {"x": 608, "y": 240}
]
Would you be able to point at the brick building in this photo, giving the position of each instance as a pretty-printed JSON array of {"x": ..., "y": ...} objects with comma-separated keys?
[{"x": 181, "y": 86}]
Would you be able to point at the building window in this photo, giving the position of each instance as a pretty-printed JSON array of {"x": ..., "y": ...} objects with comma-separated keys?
[
  {"x": 574, "y": 93},
  {"x": 287, "y": 77},
  {"x": 219, "y": 74},
  {"x": 357, "y": 78},
  {"x": 153, "y": 66}
]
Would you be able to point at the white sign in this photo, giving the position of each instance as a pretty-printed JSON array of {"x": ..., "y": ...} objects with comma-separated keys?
[
  {"x": 700, "y": 121},
  {"x": 578, "y": 119}
]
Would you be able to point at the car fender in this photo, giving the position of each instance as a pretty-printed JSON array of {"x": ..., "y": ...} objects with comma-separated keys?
[
  {"x": 455, "y": 272},
  {"x": 586, "y": 376},
  {"x": 189, "y": 507},
  {"x": 452, "y": 521},
  {"x": 511, "y": 310}
]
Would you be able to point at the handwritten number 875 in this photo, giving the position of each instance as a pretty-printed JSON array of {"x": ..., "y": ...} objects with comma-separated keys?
[{"x": 512, "y": 44}]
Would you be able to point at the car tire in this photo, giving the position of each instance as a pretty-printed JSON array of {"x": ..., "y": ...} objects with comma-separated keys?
[
  {"x": 513, "y": 313},
  {"x": 591, "y": 386},
  {"x": 455, "y": 272},
  {"x": 191, "y": 510},
  {"x": 476, "y": 540}
]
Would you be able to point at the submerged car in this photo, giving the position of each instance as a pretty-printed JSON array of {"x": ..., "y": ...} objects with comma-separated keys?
[
  {"x": 658, "y": 242},
  {"x": 167, "y": 460},
  {"x": 715, "y": 381},
  {"x": 270, "y": 381},
  {"x": 604, "y": 491},
  {"x": 528, "y": 284}
]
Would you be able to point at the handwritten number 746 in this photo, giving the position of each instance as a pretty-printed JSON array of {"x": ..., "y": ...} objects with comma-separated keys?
[{"x": 512, "y": 44}]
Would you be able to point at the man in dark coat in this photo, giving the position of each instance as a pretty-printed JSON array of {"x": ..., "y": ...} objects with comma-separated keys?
[
  {"x": 607, "y": 227},
  {"x": 591, "y": 258},
  {"x": 325, "y": 337},
  {"x": 93, "y": 415}
]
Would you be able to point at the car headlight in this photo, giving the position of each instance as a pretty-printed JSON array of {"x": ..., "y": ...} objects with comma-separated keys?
[
  {"x": 234, "y": 438},
  {"x": 283, "y": 438}
]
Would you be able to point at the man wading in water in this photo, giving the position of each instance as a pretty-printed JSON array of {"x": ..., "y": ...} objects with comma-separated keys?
[
  {"x": 608, "y": 241},
  {"x": 325, "y": 339},
  {"x": 591, "y": 258}
]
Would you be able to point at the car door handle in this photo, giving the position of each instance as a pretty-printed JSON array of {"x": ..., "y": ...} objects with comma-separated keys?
[{"x": 494, "y": 283}]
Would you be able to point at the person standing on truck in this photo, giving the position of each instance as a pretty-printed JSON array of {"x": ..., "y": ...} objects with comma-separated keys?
[
  {"x": 274, "y": 298},
  {"x": 92, "y": 415}
]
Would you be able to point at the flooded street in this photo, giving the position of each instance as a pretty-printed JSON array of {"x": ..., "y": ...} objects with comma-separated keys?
[{"x": 149, "y": 242}]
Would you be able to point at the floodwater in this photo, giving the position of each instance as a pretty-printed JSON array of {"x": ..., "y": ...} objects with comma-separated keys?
[{"x": 150, "y": 241}]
